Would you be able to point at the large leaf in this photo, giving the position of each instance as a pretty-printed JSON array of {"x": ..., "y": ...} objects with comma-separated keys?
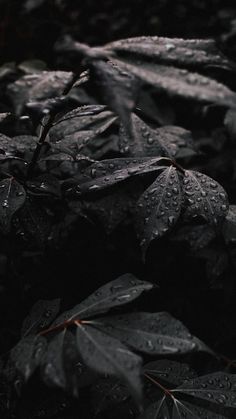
[
  {"x": 38, "y": 86},
  {"x": 180, "y": 82},
  {"x": 181, "y": 52},
  {"x": 218, "y": 388},
  {"x": 107, "y": 355},
  {"x": 121, "y": 291},
  {"x": 12, "y": 197},
  {"x": 158, "y": 209},
  {"x": 152, "y": 333},
  {"x": 41, "y": 315},
  {"x": 204, "y": 197},
  {"x": 146, "y": 141},
  {"x": 27, "y": 354}
]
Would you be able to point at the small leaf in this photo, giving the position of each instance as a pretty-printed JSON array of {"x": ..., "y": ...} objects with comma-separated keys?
[
  {"x": 41, "y": 315},
  {"x": 107, "y": 355},
  {"x": 204, "y": 197},
  {"x": 12, "y": 198},
  {"x": 158, "y": 209},
  {"x": 121, "y": 291},
  {"x": 180, "y": 82},
  {"x": 218, "y": 388},
  {"x": 152, "y": 333},
  {"x": 27, "y": 354}
]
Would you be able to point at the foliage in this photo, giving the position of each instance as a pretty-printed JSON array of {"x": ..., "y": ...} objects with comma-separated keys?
[{"x": 85, "y": 149}]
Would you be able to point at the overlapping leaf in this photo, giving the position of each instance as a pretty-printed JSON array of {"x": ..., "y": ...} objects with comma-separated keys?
[
  {"x": 204, "y": 197},
  {"x": 106, "y": 173},
  {"x": 152, "y": 333},
  {"x": 146, "y": 141},
  {"x": 180, "y": 82},
  {"x": 171, "y": 372},
  {"x": 12, "y": 198},
  {"x": 38, "y": 86},
  {"x": 158, "y": 209},
  {"x": 107, "y": 355}
]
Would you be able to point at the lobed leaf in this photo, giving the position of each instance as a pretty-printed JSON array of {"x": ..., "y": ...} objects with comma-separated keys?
[{"x": 41, "y": 315}]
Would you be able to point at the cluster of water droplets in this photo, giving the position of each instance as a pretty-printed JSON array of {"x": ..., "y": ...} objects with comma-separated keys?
[{"x": 159, "y": 207}]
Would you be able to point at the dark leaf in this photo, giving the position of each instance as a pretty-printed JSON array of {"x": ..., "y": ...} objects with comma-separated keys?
[
  {"x": 117, "y": 88},
  {"x": 152, "y": 333},
  {"x": 107, "y": 355},
  {"x": 229, "y": 225},
  {"x": 158, "y": 209},
  {"x": 187, "y": 410},
  {"x": 107, "y": 173},
  {"x": 27, "y": 354},
  {"x": 172, "y": 51},
  {"x": 204, "y": 197},
  {"x": 121, "y": 291},
  {"x": 41, "y": 315},
  {"x": 146, "y": 141},
  {"x": 171, "y": 372},
  {"x": 157, "y": 410},
  {"x": 198, "y": 236},
  {"x": 45, "y": 185},
  {"x": 218, "y": 388},
  {"x": 77, "y": 128},
  {"x": 12, "y": 198},
  {"x": 180, "y": 82},
  {"x": 38, "y": 86}
]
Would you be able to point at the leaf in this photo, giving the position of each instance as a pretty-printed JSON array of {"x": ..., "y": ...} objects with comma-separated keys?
[
  {"x": 38, "y": 86},
  {"x": 12, "y": 198},
  {"x": 75, "y": 129},
  {"x": 229, "y": 225},
  {"x": 204, "y": 197},
  {"x": 180, "y": 52},
  {"x": 158, "y": 209},
  {"x": 157, "y": 410},
  {"x": 180, "y": 82},
  {"x": 61, "y": 364},
  {"x": 198, "y": 236},
  {"x": 151, "y": 333},
  {"x": 107, "y": 355},
  {"x": 45, "y": 185},
  {"x": 27, "y": 354},
  {"x": 41, "y": 315},
  {"x": 107, "y": 173},
  {"x": 186, "y": 410},
  {"x": 171, "y": 372},
  {"x": 121, "y": 291},
  {"x": 117, "y": 88},
  {"x": 146, "y": 141},
  {"x": 219, "y": 388}
]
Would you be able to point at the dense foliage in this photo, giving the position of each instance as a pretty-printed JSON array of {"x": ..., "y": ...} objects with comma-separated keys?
[{"x": 117, "y": 231}]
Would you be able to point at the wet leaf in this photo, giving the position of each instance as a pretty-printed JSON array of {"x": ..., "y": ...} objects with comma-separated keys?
[
  {"x": 171, "y": 372},
  {"x": 147, "y": 141},
  {"x": 107, "y": 173},
  {"x": 41, "y": 315},
  {"x": 27, "y": 354},
  {"x": 107, "y": 355},
  {"x": 218, "y": 388},
  {"x": 204, "y": 197},
  {"x": 180, "y": 82},
  {"x": 152, "y": 333},
  {"x": 157, "y": 410},
  {"x": 45, "y": 185},
  {"x": 121, "y": 291},
  {"x": 173, "y": 51},
  {"x": 12, "y": 198},
  {"x": 38, "y": 86},
  {"x": 158, "y": 209},
  {"x": 117, "y": 89}
]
